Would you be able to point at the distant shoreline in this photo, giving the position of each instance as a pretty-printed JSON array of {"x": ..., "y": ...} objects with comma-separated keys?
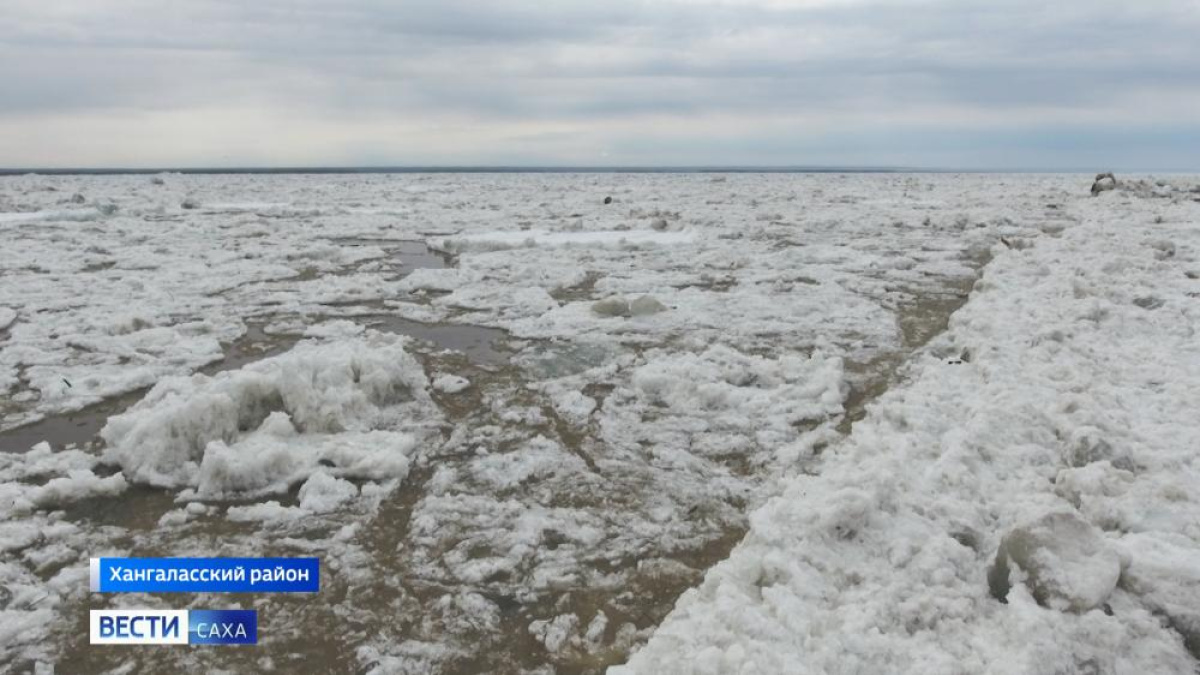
[
  {"x": 448, "y": 169},
  {"x": 66, "y": 171}
]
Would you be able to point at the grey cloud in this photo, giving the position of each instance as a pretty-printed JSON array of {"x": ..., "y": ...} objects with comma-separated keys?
[{"x": 580, "y": 62}]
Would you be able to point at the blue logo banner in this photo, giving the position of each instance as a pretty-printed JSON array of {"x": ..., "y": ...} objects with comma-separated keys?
[
  {"x": 222, "y": 627},
  {"x": 205, "y": 575},
  {"x": 174, "y": 627}
]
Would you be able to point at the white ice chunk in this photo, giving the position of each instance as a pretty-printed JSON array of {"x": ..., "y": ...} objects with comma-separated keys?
[
  {"x": 265, "y": 425},
  {"x": 721, "y": 381},
  {"x": 266, "y": 512},
  {"x": 323, "y": 493},
  {"x": 556, "y": 633},
  {"x": 438, "y": 279},
  {"x": 76, "y": 485},
  {"x": 574, "y": 406},
  {"x": 450, "y": 384},
  {"x": 1066, "y": 563},
  {"x": 644, "y": 305},
  {"x": 509, "y": 302}
]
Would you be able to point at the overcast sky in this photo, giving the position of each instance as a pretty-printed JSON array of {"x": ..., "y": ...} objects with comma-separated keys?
[{"x": 923, "y": 83}]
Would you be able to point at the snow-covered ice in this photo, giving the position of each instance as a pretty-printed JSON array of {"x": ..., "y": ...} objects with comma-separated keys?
[
  {"x": 1058, "y": 462},
  {"x": 594, "y": 400}
]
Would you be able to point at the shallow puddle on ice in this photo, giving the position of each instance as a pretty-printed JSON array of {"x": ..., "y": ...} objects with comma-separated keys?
[
  {"x": 254, "y": 345},
  {"x": 138, "y": 508},
  {"x": 80, "y": 427},
  {"x": 416, "y": 255},
  {"x": 480, "y": 344},
  {"x": 409, "y": 254}
]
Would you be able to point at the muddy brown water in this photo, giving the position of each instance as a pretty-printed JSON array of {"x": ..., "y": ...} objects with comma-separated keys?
[
  {"x": 81, "y": 427},
  {"x": 920, "y": 321}
]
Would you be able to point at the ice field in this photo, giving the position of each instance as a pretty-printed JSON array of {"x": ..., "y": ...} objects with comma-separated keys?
[{"x": 518, "y": 424}]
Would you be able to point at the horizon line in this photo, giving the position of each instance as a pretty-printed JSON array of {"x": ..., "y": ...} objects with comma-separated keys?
[{"x": 564, "y": 168}]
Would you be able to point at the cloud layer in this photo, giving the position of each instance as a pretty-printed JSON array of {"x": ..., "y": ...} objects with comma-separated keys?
[{"x": 946, "y": 83}]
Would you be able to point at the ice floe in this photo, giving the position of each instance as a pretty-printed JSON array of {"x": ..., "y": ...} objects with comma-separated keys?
[
  {"x": 450, "y": 384},
  {"x": 272, "y": 423}
]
